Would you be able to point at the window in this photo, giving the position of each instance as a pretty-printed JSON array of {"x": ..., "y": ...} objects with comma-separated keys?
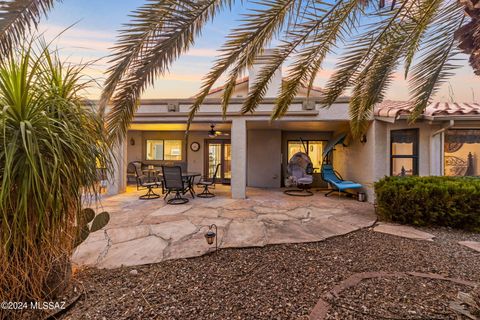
[
  {"x": 404, "y": 152},
  {"x": 164, "y": 150},
  {"x": 461, "y": 152},
  {"x": 314, "y": 151}
]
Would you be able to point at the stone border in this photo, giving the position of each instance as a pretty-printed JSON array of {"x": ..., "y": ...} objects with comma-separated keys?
[{"x": 322, "y": 307}]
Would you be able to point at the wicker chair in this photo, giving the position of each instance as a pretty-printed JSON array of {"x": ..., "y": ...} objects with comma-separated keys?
[{"x": 300, "y": 171}]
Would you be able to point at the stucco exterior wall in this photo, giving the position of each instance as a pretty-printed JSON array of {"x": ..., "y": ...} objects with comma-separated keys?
[
  {"x": 196, "y": 160},
  {"x": 134, "y": 152},
  {"x": 264, "y": 158},
  {"x": 368, "y": 162},
  {"x": 358, "y": 161}
]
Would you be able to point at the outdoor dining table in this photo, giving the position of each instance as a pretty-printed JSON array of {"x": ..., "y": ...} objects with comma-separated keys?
[
  {"x": 150, "y": 172},
  {"x": 189, "y": 178}
]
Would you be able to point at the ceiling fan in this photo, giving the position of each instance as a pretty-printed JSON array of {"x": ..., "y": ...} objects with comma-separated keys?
[{"x": 212, "y": 133}]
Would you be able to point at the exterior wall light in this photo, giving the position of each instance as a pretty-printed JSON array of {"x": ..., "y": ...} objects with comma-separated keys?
[
  {"x": 363, "y": 138},
  {"x": 211, "y": 235},
  {"x": 132, "y": 142}
]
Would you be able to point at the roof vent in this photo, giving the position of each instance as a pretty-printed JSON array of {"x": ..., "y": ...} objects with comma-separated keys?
[{"x": 173, "y": 107}]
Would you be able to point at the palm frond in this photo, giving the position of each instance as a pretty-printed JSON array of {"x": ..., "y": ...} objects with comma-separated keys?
[
  {"x": 376, "y": 73},
  {"x": 338, "y": 23},
  {"x": 362, "y": 49},
  {"x": 244, "y": 44},
  {"x": 437, "y": 61},
  {"x": 376, "y": 77},
  {"x": 426, "y": 12},
  {"x": 134, "y": 40},
  {"x": 297, "y": 35},
  {"x": 173, "y": 33},
  {"x": 17, "y": 17}
]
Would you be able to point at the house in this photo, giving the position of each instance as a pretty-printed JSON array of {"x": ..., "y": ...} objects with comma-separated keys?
[{"x": 254, "y": 151}]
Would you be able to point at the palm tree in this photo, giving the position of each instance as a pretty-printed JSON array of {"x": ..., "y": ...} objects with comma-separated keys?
[
  {"x": 376, "y": 41},
  {"x": 51, "y": 140},
  {"x": 17, "y": 17}
]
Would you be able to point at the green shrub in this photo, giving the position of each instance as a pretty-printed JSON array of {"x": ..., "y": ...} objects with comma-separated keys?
[{"x": 425, "y": 201}]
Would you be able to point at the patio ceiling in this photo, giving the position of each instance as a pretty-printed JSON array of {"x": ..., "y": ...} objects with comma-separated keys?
[
  {"x": 178, "y": 126},
  {"x": 299, "y": 125},
  {"x": 251, "y": 125}
]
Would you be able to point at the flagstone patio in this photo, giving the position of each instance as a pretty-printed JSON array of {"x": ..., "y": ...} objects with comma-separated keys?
[{"x": 150, "y": 231}]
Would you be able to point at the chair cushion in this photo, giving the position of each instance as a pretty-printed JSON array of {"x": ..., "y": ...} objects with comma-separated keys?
[
  {"x": 149, "y": 184},
  {"x": 348, "y": 185},
  {"x": 305, "y": 180}
]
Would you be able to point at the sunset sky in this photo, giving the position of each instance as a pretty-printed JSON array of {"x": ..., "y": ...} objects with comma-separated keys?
[{"x": 97, "y": 23}]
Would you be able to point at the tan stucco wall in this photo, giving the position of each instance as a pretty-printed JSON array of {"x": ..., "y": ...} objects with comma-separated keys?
[
  {"x": 134, "y": 153},
  {"x": 196, "y": 160},
  {"x": 363, "y": 162},
  {"x": 264, "y": 158},
  {"x": 367, "y": 163}
]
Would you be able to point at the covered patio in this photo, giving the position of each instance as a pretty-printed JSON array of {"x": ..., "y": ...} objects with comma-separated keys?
[{"x": 143, "y": 232}]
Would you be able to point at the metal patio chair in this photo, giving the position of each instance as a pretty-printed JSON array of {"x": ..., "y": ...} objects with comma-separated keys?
[
  {"x": 208, "y": 183},
  {"x": 173, "y": 182}
]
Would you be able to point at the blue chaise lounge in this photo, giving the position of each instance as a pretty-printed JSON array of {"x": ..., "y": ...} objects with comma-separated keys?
[{"x": 334, "y": 179}]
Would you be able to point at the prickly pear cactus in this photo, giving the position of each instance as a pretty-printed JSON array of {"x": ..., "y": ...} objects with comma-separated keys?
[{"x": 87, "y": 216}]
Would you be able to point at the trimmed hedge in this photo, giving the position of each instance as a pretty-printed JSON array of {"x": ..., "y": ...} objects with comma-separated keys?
[{"x": 425, "y": 201}]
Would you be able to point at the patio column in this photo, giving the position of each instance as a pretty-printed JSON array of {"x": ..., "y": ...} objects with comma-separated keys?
[
  {"x": 239, "y": 158},
  {"x": 117, "y": 183}
]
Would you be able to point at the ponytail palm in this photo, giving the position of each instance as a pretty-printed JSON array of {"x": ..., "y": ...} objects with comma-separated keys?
[
  {"x": 51, "y": 140},
  {"x": 375, "y": 41}
]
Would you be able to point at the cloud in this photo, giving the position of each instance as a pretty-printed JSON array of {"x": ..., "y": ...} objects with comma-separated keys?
[
  {"x": 202, "y": 52},
  {"x": 97, "y": 42},
  {"x": 75, "y": 32}
]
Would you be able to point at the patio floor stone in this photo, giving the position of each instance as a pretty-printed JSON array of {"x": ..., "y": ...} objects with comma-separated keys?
[
  {"x": 403, "y": 231},
  {"x": 135, "y": 252},
  {"x": 143, "y": 232},
  {"x": 245, "y": 233},
  {"x": 474, "y": 245}
]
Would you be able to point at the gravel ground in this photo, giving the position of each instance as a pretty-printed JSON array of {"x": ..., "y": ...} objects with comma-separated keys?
[
  {"x": 286, "y": 281},
  {"x": 396, "y": 298}
]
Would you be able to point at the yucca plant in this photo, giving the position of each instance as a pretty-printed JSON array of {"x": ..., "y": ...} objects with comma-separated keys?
[
  {"x": 376, "y": 38},
  {"x": 51, "y": 143}
]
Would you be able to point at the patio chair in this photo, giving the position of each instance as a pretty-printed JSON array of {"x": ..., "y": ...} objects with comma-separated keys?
[
  {"x": 131, "y": 172},
  {"x": 300, "y": 169},
  {"x": 335, "y": 180},
  {"x": 142, "y": 179},
  {"x": 208, "y": 183},
  {"x": 173, "y": 182}
]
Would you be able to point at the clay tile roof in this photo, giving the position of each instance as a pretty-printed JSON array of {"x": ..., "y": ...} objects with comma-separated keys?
[
  {"x": 239, "y": 81},
  {"x": 394, "y": 109}
]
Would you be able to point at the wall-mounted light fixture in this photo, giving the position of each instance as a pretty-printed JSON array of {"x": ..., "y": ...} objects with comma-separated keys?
[
  {"x": 363, "y": 138},
  {"x": 132, "y": 142}
]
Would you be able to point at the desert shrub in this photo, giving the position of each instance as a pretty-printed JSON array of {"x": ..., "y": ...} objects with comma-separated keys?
[
  {"x": 51, "y": 142},
  {"x": 424, "y": 201}
]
